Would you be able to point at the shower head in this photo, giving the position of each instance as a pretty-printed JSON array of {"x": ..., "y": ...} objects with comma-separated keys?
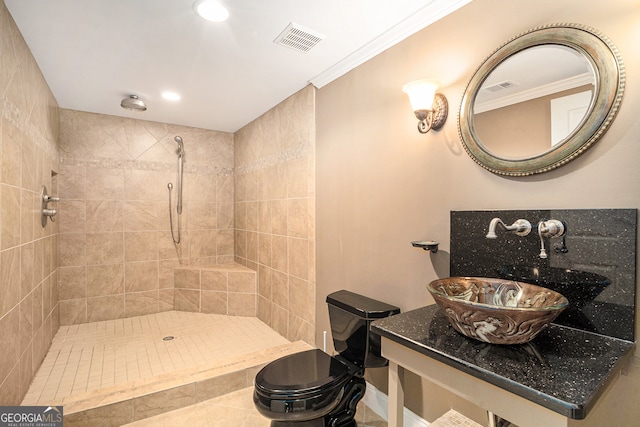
[
  {"x": 178, "y": 139},
  {"x": 133, "y": 103}
]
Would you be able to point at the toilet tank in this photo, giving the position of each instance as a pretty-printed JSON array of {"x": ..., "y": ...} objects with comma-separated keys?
[{"x": 350, "y": 315}]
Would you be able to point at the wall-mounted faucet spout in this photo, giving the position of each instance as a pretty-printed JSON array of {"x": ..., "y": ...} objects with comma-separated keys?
[{"x": 521, "y": 227}]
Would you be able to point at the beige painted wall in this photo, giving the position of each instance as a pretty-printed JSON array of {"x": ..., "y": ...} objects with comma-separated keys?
[
  {"x": 116, "y": 252},
  {"x": 381, "y": 184},
  {"x": 274, "y": 213},
  {"x": 28, "y": 252}
]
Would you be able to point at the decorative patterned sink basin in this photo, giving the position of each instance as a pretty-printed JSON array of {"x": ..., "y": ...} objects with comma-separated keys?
[{"x": 496, "y": 311}]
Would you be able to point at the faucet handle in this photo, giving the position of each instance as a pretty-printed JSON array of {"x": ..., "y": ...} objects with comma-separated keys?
[{"x": 549, "y": 228}]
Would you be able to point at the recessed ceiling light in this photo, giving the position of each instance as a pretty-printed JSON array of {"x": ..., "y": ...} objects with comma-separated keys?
[
  {"x": 211, "y": 10},
  {"x": 171, "y": 96}
]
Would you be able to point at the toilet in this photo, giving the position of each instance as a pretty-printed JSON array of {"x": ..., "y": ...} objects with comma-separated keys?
[{"x": 313, "y": 389}]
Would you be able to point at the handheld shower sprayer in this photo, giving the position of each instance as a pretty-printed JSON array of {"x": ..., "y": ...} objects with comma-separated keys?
[{"x": 180, "y": 153}]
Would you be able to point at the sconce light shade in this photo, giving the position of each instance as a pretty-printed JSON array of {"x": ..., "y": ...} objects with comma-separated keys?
[{"x": 430, "y": 108}]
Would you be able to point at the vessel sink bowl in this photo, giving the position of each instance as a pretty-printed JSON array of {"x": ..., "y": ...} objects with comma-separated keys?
[{"x": 496, "y": 311}]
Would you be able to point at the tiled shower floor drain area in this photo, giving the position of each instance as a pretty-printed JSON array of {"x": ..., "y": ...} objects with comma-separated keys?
[{"x": 97, "y": 355}]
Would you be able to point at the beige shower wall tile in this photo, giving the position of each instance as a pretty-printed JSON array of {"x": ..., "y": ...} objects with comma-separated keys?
[
  {"x": 28, "y": 165},
  {"x": 242, "y": 304},
  {"x": 225, "y": 244},
  {"x": 72, "y": 182},
  {"x": 264, "y": 310},
  {"x": 299, "y": 258},
  {"x": 187, "y": 300},
  {"x": 266, "y": 249},
  {"x": 167, "y": 250},
  {"x": 242, "y": 282},
  {"x": 300, "y": 330},
  {"x": 279, "y": 259},
  {"x": 72, "y": 282},
  {"x": 141, "y": 276},
  {"x": 141, "y": 246},
  {"x": 143, "y": 185},
  {"x": 276, "y": 182},
  {"x": 105, "y": 308},
  {"x": 202, "y": 215},
  {"x": 142, "y": 216},
  {"x": 26, "y": 322},
  {"x": 141, "y": 303},
  {"x": 241, "y": 215},
  {"x": 212, "y": 280},
  {"x": 9, "y": 342},
  {"x": 264, "y": 282},
  {"x": 264, "y": 216},
  {"x": 11, "y": 150},
  {"x": 27, "y": 255},
  {"x": 298, "y": 218},
  {"x": 187, "y": 278},
  {"x": 214, "y": 302},
  {"x": 225, "y": 189},
  {"x": 225, "y": 215},
  {"x": 72, "y": 249},
  {"x": 166, "y": 300},
  {"x": 103, "y": 215},
  {"x": 208, "y": 147},
  {"x": 104, "y": 248},
  {"x": 72, "y": 216},
  {"x": 202, "y": 188},
  {"x": 279, "y": 320},
  {"x": 105, "y": 183},
  {"x": 104, "y": 280},
  {"x": 30, "y": 217},
  {"x": 280, "y": 289},
  {"x": 301, "y": 299},
  {"x": 279, "y": 217},
  {"x": 9, "y": 216},
  {"x": 202, "y": 244},
  {"x": 298, "y": 177},
  {"x": 73, "y": 312},
  {"x": 10, "y": 279},
  {"x": 252, "y": 213}
]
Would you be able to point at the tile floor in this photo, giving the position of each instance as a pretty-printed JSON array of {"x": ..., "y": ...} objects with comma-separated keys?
[
  {"x": 97, "y": 355},
  {"x": 233, "y": 410}
]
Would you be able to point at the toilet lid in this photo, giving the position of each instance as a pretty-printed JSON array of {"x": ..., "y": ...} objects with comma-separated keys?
[{"x": 301, "y": 373}]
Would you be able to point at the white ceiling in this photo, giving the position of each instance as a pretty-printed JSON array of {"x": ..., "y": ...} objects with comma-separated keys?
[{"x": 93, "y": 53}]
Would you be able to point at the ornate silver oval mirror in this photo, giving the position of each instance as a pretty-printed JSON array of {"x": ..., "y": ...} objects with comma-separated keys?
[{"x": 541, "y": 99}]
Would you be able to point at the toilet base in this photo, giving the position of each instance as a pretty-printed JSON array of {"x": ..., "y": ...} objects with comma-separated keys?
[{"x": 342, "y": 416}]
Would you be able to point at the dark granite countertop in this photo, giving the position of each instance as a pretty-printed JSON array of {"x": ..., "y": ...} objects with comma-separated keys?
[{"x": 562, "y": 369}]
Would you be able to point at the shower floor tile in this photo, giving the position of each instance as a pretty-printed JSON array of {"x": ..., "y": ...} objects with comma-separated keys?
[{"x": 93, "y": 356}]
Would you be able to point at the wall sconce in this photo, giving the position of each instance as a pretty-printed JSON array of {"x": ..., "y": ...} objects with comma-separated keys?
[{"x": 430, "y": 108}]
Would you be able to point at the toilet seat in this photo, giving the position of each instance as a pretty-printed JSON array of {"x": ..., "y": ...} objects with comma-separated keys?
[
  {"x": 302, "y": 386},
  {"x": 301, "y": 374}
]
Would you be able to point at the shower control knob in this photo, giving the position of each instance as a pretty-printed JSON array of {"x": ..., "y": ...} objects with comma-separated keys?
[{"x": 49, "y": 212}]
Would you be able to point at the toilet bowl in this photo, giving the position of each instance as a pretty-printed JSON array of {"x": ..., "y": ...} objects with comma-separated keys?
[{"x": 314, "y": 389}]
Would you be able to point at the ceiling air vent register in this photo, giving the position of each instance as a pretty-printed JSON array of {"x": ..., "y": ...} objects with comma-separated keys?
[{"x": 297, "y": 37}]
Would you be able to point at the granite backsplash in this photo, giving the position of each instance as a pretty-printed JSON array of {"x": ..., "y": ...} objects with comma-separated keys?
[{"x": 593, "y": 264}]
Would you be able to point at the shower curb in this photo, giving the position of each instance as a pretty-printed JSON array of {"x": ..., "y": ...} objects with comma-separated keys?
[{"x": 143, "y": 399}]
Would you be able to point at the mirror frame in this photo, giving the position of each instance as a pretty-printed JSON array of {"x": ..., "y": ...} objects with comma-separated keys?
[{"x": 608, "y": 91}]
